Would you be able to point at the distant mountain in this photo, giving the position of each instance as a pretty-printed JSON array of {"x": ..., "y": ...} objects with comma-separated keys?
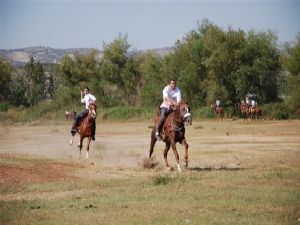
[{"x": 19, "y": 57}]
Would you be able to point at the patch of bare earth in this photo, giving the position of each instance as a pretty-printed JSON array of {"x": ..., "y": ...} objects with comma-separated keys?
[{"x": 19, "y": 175}]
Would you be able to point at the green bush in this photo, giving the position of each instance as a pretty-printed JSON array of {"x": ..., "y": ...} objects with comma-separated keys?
[
  {"x": 276, "y": 111},
  {"x": 203, "y": 112},
  {"x": 4, "y": 106}
]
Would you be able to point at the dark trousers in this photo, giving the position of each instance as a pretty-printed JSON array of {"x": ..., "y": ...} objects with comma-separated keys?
[
  {"x": 163, "y": 114},
  {"x": 81, "y": 115}
]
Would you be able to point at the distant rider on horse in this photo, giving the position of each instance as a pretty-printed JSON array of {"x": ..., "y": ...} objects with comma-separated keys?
[
  {"x": 218, "y": 104},
  {"x": 171, "y": 98},
  {"x": 87, "y": 98}
]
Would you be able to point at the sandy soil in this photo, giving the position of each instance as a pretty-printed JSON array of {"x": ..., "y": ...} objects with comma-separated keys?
[{"x": 124, "y": 145}]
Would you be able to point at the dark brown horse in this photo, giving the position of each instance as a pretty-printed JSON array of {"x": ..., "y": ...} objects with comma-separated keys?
[
  {"x": 173, "y": 132},
  {"x": 85, "y": 129},
  {"x": 218, "y": 111}
]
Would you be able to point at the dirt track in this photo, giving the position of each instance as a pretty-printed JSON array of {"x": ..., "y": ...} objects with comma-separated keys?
[{"x": 212, "y": 143}]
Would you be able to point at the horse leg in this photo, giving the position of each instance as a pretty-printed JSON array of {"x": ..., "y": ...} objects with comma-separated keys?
[
  {"x": 71, "y": 141},
  {"x": 80, "y": 146},
  {"x": 88, "y": 147},
  {"x": 166, "y": 154},
  {"x": 153, "y": 141},
  {"x": 176, "y": 156},
  {"x": 186, "y": 156}
]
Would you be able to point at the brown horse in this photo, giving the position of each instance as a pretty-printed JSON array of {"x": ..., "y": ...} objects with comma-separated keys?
[
  {"x": 173, "y": 132},
  {"x": 255, "y": 112},
  {"x": 245, "y": 110},
  {"x": 218, "y": 111},
  {"x": 85, "y": 130},
  {"x": 70, "y": 115}
]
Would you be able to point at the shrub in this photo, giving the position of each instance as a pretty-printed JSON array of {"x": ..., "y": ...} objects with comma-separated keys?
[
  {"x": 276, "y": 111},
  {"x": 4, "y": 106},
  {"x": 203, "y": 112}
]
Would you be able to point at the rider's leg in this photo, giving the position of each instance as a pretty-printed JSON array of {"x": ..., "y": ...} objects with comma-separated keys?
[
  {"x": 161, "y": 122},
  {"x": 77, "y": 121}
]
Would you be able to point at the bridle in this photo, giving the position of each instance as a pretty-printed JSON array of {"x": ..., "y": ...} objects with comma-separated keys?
[
  {"x": 184, "y": 115},
  {"x": 92, "y": 111}
]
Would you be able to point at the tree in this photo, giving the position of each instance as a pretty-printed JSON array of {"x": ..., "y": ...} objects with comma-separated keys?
[
  {"x": 151, "y": 67},
  {"x": 292, "y": 65},
  {"x": 117, "y": 78},
  {"x": 36, "y": 77},
  {"x": 5, "y": 78}
]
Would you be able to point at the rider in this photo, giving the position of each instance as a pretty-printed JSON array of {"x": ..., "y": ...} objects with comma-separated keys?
[
  {"x": 253, "y": 103},
  {"x": 247, "y": 101},
  {"x": 87, "y": 98},
  {"x": 218, "y": 103},
  {"x": 171, "y": 98}
]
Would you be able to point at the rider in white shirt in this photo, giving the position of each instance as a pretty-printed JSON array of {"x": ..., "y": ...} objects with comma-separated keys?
[
  {"x": 171, "y": 98},
  {"x": 87, "y": 98}
]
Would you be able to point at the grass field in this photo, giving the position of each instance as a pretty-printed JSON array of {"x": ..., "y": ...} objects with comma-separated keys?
[{"x": 239, "y": 173}]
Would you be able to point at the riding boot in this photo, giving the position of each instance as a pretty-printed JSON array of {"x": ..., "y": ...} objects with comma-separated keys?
[{"x": 158, "y": 130}]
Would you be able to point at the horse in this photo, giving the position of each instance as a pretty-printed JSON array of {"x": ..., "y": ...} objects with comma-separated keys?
[
  {"x": 85, "y": 130},
  {"x": 255, "y": 112},
  {"x": 70, "y": 115},
  {"x": 218, "y": 110},
  {"x": 173, "y": 132},
  {"x": 245, "y": 110}
]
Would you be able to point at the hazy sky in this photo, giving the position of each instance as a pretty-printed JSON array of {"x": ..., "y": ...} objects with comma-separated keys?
[{"x": 149, "y": 24}]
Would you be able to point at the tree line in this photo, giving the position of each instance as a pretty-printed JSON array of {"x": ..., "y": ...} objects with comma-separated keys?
[{"x": 208, "y": 63}]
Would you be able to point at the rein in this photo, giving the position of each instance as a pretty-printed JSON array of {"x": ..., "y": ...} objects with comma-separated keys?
[{"x": 179, "y": 121}]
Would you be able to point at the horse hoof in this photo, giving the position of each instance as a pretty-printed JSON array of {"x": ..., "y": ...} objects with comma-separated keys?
[
  {"x": 71, "y": 142},
  {"x": 179, "y": 169}
]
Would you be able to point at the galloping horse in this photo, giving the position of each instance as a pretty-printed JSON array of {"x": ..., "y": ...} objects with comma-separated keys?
[
  {"x": 85, "y": 130},
  {"x": 173, "y": 132},
  {"x": 218, "y": 110}
]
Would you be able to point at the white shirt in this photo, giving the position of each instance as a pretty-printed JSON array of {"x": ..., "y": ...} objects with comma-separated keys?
[
  {"x": 172, "y": 94},
  {"x": 248, "y": 101},
  {"x": 87, "y": 99}
]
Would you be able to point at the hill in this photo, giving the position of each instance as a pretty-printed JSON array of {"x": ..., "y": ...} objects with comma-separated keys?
[{"x": 19, "y": 57}]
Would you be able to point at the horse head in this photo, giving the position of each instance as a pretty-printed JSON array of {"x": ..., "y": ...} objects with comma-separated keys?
[
  {"x": 184, "y": 110},
  {"x": 92, "y": 110}
]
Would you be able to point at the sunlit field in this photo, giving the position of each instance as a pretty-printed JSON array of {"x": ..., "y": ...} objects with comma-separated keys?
[{"x": 239, "y": 173}]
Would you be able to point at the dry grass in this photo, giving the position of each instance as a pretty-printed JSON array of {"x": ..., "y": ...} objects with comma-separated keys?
[{"x": 240, "y": 173}]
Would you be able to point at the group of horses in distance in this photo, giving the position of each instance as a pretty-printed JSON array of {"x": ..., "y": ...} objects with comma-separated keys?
[{"x": 247, "y": 111}]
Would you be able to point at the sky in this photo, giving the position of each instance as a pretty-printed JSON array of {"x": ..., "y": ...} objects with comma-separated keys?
[{"x": 148, "y": 24}]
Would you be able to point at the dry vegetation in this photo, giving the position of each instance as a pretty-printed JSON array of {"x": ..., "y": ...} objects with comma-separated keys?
[{"x": 239, "y": 173}]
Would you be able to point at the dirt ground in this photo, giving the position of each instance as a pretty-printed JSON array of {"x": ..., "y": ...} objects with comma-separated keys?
[{"x": 125, "y": 145}]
